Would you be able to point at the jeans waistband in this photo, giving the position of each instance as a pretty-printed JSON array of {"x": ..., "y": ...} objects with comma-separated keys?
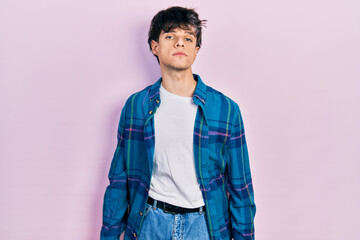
[{"x": 168, "y": 208}]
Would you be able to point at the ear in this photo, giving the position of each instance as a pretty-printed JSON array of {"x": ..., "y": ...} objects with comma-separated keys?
[
  {"x": 197, "y": 50},
  {"x": 154, "y": 45}
]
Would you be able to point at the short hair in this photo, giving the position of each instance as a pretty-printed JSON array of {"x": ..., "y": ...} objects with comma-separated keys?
[{"x": 175, "y": 17}]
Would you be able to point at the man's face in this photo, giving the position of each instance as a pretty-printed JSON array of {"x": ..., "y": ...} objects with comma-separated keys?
[{"x": 172, "y": 44}]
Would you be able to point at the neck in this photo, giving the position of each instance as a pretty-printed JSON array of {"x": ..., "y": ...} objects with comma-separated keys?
[{"x": 181, "y": 83}]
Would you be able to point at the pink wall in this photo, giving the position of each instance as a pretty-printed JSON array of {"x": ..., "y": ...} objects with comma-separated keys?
[{"x": 66, "y": 68}]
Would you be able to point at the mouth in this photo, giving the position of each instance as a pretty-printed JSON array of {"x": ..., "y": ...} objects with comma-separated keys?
[{"x": 179, "y": 54}]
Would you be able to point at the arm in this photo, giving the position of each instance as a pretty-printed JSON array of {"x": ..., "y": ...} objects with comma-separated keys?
[
  {"x": 116, "y": 194},
  {"x": 241, "y": 195}
]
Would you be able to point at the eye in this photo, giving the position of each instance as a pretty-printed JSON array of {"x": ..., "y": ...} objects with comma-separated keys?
[
  {"x": 189, "y": 39},
  {"x": 167, "y": 37}
]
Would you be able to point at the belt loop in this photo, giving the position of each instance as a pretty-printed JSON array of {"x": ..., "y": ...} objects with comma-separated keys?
[
  {"x": 155, "y": 202},
  {"x": 201, "y": 210}
]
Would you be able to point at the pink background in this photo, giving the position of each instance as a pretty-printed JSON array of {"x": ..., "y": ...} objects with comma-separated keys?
[{"x": 67, "y": 67}]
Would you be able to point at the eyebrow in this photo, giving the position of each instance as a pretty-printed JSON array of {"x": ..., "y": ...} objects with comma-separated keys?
[{"x": 191, "y": 33}]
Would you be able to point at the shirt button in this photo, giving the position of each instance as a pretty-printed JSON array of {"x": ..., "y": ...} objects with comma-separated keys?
[
  {"x": 150, "y": 100},
  {"x": 157, "y": 101},
  {"x": 140, "y": 213},
  {"x": 147, "y": 189},
  {"x": 134, "y": 234},
  {"x": 150, "y": 112}
]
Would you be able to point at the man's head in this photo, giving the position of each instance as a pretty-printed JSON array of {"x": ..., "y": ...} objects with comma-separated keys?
[{"x": 175, "y": 20}]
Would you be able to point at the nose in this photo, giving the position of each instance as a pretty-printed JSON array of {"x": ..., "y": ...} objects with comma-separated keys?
[{"x": 179, "y": 43}]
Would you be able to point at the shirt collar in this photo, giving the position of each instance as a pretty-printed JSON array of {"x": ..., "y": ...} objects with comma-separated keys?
[{"x": 199, "y": 96}]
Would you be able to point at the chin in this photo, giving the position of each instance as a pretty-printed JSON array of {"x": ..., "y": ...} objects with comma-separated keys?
[
  {"x": 178, "y": 67},
  {"x": 181, "y": 67}
]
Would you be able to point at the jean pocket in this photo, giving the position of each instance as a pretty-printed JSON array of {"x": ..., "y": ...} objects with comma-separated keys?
[{"x": 148, "y": 209}]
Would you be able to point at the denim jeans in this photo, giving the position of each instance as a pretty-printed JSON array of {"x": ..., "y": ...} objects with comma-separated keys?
[{"x": 158, "y": 225}]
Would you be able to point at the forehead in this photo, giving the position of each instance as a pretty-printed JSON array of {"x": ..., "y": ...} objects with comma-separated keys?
[{"x": 190, "y": 31}]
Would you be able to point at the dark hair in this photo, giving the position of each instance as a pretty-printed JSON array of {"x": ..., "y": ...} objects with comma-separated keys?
[{"x": 175, "y": 17}]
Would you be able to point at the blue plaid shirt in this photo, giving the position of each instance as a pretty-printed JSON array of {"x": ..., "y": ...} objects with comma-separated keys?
[{"x": 221, "y": 162}]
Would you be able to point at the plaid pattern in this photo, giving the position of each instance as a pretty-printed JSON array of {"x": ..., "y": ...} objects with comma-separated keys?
[{"x": 221, "y": 161}]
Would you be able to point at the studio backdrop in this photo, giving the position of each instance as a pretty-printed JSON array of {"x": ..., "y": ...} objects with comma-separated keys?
[{"x": 67, "y": 67}]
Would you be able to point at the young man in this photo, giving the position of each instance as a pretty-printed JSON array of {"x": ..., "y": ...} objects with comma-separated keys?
[{"x": 181, "y": 168}]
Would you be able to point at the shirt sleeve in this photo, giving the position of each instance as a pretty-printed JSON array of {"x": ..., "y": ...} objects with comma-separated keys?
[
  {"x": 240, "y": 186},
  {"x": 116, "y": 197}
]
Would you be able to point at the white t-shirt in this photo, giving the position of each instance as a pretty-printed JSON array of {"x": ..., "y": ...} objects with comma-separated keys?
[{"x": 174, "y": 178}]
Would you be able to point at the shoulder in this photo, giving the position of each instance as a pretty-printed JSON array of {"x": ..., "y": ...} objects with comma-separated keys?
[
  {"x": 134, "y": 108},
  {"x": 223, "y": 108},
  {"x": 138, "y": 97},
  {"x": 217, "y": 99}
]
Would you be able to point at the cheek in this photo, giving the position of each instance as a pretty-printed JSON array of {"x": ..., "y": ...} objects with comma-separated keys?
[{"x": 193, "y": 53}]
